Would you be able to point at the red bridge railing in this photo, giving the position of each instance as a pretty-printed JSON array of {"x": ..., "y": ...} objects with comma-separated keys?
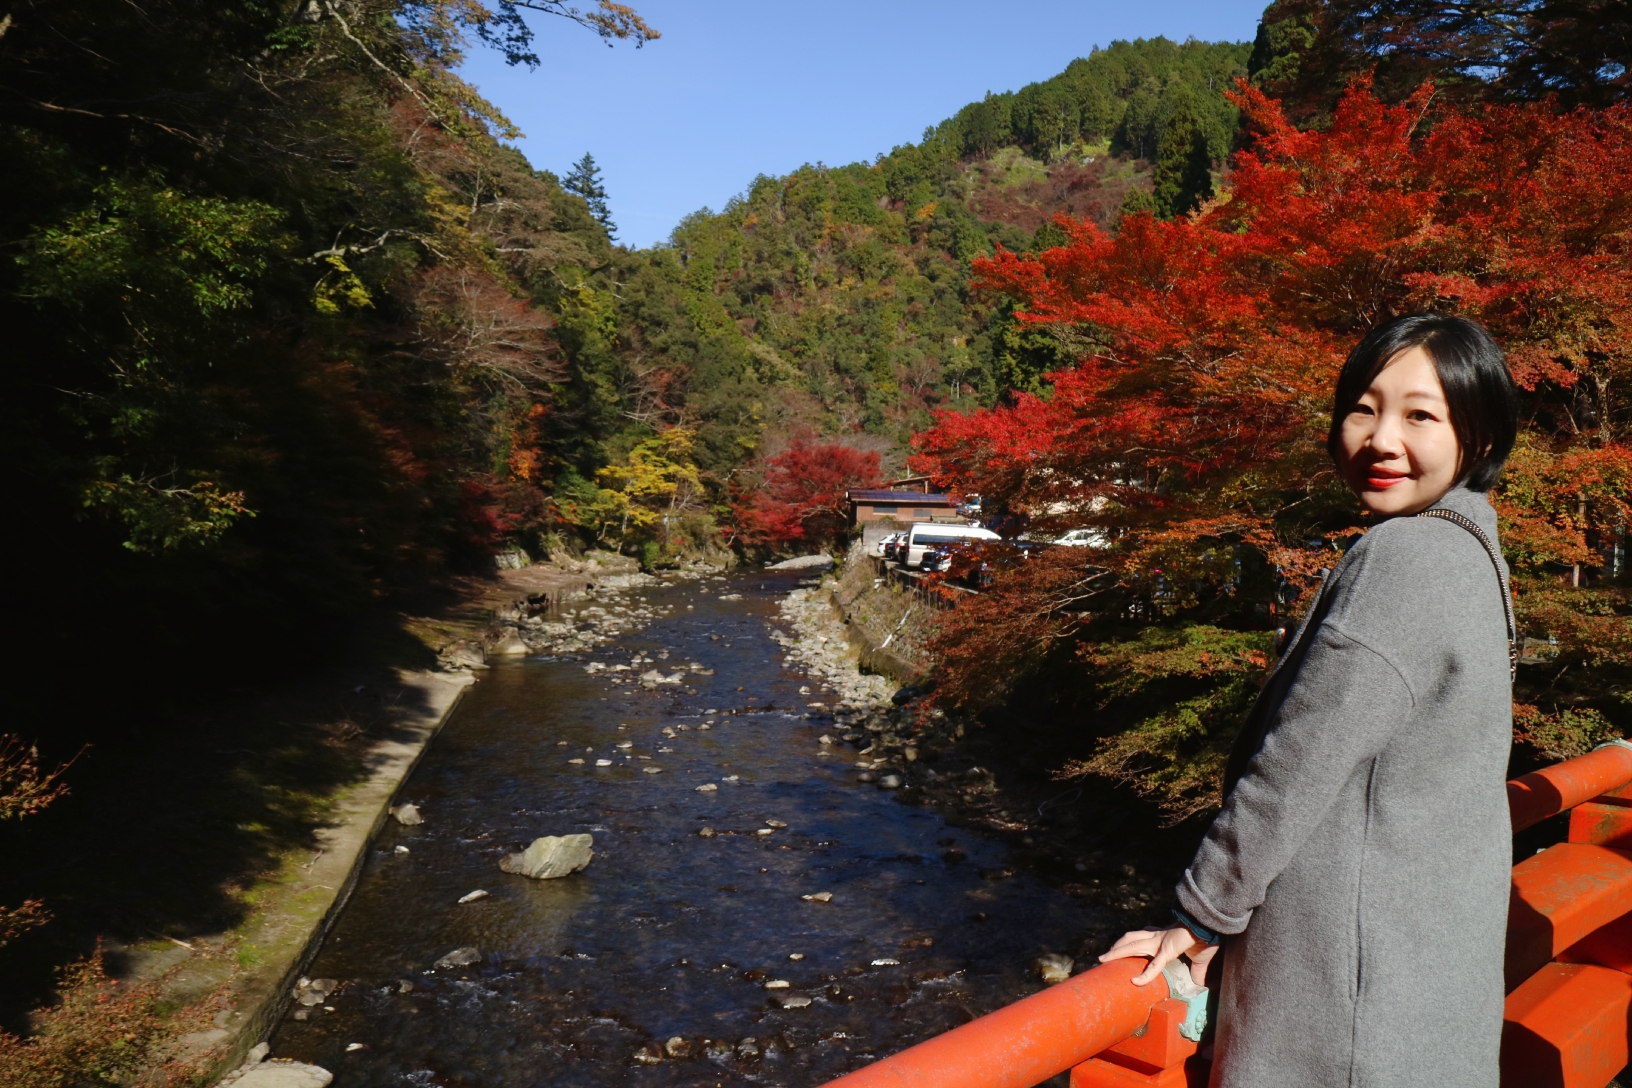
[{"x": 1569, "y": 975}]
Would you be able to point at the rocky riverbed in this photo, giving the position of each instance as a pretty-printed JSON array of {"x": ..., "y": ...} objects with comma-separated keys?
[
  {"x": 596, "y": 607},
  {"x": 759, "y": 907},
  {"x": 1090, "y": 841}
]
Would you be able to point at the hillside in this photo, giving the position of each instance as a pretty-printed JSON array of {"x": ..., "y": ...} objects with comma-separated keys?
[
  {"x": 835, "y": 301},
  {"x": 298, "y": 333}
]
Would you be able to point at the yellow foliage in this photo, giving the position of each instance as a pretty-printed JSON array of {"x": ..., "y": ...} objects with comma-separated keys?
[
  {"x": 340, "y": 288},
  {"x": 648, "y": 489}
]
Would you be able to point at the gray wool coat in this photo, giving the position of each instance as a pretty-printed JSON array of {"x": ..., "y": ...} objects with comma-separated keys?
[{"x": 1362, "y": 861}]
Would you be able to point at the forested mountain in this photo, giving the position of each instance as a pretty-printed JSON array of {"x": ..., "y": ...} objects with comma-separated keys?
[
  {"x": 293, "y": 328},
  {"x": 835, "y": 301}
]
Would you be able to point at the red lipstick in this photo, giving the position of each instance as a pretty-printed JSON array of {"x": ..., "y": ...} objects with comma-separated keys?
[{"x": 1381, "y": 479}]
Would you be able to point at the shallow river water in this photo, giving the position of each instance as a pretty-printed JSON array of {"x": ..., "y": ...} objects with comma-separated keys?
[{"x": 650, "y": 966}]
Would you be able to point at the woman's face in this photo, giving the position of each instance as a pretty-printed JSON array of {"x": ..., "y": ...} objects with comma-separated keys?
[{"x": 1399, "y": 453}]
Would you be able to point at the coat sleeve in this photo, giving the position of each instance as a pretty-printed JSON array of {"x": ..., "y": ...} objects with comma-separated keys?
[{"x": 1339, "y": 712}]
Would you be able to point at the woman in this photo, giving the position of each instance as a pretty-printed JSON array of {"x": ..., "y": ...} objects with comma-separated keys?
[{"x": 1358, "y": 872}]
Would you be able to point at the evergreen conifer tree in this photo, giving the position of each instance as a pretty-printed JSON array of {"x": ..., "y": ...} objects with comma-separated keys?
[
  {"x": 1183, "y": 176},
  {"x": 585, "y": 180}
]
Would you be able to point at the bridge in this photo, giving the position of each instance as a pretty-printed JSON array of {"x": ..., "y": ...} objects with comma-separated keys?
[{"x": 1568, "y": 970}]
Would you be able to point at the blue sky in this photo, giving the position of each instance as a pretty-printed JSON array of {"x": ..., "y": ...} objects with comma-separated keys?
[{"x": 734, "y": 89}]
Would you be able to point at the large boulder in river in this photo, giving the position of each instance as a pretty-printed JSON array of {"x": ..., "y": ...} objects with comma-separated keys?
[
  {"x": 508, "y": 643},
  {"x": 459, "y": 957},
  {"x": 465, "y": 655},
  {"x": 551, "y": 856},
  {"x": 803, "y": 562},
  {"x": 279, "y": 1073}
]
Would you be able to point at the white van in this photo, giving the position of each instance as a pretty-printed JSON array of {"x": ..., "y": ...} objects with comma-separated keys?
[{"x": 928, "y": 534}]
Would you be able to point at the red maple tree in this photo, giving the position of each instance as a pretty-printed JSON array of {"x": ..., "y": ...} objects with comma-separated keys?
[
  {"x": 801, "y": 497},
  {"x": 1191, "y": 432}
]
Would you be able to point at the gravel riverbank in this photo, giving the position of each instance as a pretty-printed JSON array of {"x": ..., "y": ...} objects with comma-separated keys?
[{"x": 1090, "y": 839}]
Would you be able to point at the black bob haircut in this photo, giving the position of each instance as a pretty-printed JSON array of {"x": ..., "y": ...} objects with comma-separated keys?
[{"x": 1479, "y": 390}]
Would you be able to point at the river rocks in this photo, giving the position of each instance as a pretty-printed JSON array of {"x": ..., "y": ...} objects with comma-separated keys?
[
  {"x": 653, "y": 770},
  {"x": 748, "y": 1049},
  {"x": 890, "y": 782},
  {"x": 598, "y": 561},
  {"x": 803, "y": 562},
  {"x": 463, "y": 655},
  {"x": 777, "y": 984},
  {"x": 406, "y": 815},
  {"x": 459, "y": 957},
  {"x": 651, "y": 1054},
  {"x": 792, "y": 1000},
  {"x": 707, "y": 787},
  {"x": 314, "y": 991},
  {"x": 820, "y": 644},
  {"x": 818, "y": 897},
  {"x": 471, "y": 897},
  {"x": 551, "y": 856},
  {"x": 507, "y": 643},
  {"x": 281, "y": 1073},
  {"x": 1053, "y": 968},
  {"x": 678, "y": 1048},
  {"x": 706, "y": 833}
]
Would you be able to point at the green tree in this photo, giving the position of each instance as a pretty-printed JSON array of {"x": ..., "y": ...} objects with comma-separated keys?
[
  {"x": 585, "y": 179},
  {"x": 1183, "y": 177}
]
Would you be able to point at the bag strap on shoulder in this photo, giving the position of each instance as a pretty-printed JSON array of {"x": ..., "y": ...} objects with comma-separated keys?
[{"x": 1501, "y": 579}]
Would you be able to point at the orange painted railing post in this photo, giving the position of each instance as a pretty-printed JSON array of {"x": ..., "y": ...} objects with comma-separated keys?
[{"x": 1159, "y": 1056}]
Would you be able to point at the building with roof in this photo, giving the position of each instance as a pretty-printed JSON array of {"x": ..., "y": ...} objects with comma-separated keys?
[{"x": 879, "y": 512}]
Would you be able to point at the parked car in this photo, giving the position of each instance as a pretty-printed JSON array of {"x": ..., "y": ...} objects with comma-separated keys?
[
  {"x": 1083, "y": 538},
  {"x": 882, "y": 548},
  {"x": 938, "y": 557},
  {"x": 960, "y": 560},
  {"x": 893, "y": 545},
  {"x": 928, "y": 534}
]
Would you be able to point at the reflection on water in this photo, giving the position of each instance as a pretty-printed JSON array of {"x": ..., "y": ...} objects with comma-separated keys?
[{"x": 651, "y": 966}]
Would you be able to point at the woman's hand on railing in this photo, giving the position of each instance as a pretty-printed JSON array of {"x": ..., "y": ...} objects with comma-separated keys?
[{"x": 1163, "y": 946}]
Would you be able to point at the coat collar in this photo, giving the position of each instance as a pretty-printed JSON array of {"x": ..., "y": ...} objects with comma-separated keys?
[{"x": 1471, "y": 504}]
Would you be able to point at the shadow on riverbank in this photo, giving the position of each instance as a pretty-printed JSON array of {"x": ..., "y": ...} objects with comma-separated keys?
[{"x": 201, "y": 786}]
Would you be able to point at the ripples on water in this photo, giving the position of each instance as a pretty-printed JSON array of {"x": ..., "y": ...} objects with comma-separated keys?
[{"x": 667, "y": 935}]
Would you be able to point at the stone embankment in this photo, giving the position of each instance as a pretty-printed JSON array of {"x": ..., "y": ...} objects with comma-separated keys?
[
  {"x": 874, "y": 713},
  {"x": 564, "y": 607}
]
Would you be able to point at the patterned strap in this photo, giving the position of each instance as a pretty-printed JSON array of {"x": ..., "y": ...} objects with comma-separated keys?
[{"x": 1501, "y": 579}]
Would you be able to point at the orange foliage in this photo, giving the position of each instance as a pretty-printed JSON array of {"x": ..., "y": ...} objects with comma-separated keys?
[{"x": 1192, "y": 431}]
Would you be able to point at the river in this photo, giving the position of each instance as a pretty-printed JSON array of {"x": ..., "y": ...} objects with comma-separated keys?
[{"x": 651, "y": 966}]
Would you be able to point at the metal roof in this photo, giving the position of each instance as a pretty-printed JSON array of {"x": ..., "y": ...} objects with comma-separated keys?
[{"x": 918, "y": 497}]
